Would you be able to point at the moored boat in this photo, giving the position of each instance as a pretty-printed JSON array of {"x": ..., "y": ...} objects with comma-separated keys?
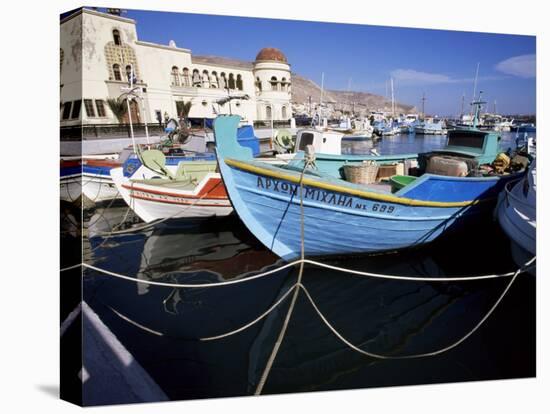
[
  {"x": 341, "y": 217},
  {"x": 517, "y": 215},
  {"x": 194, "y": 190}
]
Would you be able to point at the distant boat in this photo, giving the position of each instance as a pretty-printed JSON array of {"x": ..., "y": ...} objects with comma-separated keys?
[
  {"x": 430, "y": 128},
  {"x": 517, "y": 215},
  {"x": 341, "y": 217},
  {"x": 525, "y": 127}
]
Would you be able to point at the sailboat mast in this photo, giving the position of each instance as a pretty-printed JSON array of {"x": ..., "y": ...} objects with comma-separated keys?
[
  {"x": 392, "y": 99},
  {"x": 475, "y": 82}
]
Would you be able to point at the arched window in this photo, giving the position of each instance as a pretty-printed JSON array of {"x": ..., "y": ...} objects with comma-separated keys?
[
  {"x": 231, "y": 82},
  {"x": 283, "y": 112},
  {"x": 116, "y": 37},
  {"x": 274, "y": 83},
  {"x": 239, "y": 82},
  {"x": 268, "y": 113},
  {"x": 175, "y": 76},
  {"x": 116, "y": 72},
  {"x": 258, "y": 85},
  {"x": 196, "y": 78},
  {"x": 186, "y": 80},
  {"x": 129, "y": 73},
  {"x": 283, "y": 84},
  {"x": 214, "y": 80},
  {"x": 223, "y": 80},
  {"x": 205, "y": 79}
]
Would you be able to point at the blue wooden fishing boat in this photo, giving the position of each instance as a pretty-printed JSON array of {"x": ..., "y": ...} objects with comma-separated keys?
[{"x": 341, "y": 217}]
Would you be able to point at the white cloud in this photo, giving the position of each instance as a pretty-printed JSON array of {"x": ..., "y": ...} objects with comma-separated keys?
[
  {"x": 415, "y": 77},
  {"x": 411, "y": 76},
  {"x": 523, "y": 66}
]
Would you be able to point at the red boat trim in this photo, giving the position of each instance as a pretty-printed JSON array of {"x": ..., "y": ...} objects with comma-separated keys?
[
  {"x": 201, "y": 194},
  {"x": 158, "y": 200}
]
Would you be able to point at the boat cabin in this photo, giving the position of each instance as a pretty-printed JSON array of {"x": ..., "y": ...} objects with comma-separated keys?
[
  {"x": 480, "y": 145},
  {"x": 466, "y": 150},
  {"x": 324, "y": 142}
]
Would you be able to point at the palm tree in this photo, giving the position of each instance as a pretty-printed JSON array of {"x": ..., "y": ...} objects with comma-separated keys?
[
  {"x": 183, "y": 109},
  {"x": 118, "y": 108}
]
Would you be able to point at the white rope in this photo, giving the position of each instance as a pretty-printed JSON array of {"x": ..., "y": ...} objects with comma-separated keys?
[
  {"x": 308, "y": 161},
  {"x": 70, "y": 319},
  {"x": 411, "y": 356},
  {"x": 188, "y": 285},
  {"x": 410, "y": 278},
  {"x": 71, "y": 267}
]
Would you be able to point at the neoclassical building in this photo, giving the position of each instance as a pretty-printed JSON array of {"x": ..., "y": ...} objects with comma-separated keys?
[{"x": 99, "y": 50}]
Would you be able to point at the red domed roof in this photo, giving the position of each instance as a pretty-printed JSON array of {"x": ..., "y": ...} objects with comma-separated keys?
[{"x": 271, "y": 53}]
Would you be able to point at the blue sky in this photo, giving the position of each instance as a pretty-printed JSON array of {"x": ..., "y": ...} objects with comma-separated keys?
[{"x": 439, "y": 63}]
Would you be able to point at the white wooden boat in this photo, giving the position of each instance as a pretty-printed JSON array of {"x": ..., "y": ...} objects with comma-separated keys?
[{"x": 194, "y": 190}]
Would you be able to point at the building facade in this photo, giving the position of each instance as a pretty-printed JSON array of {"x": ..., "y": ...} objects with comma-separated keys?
[{"x": 98, "y": 51}]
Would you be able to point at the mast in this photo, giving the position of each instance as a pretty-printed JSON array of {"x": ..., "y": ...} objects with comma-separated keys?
[
  {"x": 462, "y": 106},
  {"x": 423, "y": 103},
  {"x": 477, "y": 104},
  {"x": 349, "y": 92},
  {"x": 392, "y": 99},
  {"x": 475, "y": 82},
  {"x": 322, "y": 86}
]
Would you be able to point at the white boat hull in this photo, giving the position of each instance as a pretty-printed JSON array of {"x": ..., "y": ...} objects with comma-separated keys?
[{"x": 153, "y": 202}]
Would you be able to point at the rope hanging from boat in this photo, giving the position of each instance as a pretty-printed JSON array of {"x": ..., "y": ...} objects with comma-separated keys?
[{"x": 309, "y": 160}]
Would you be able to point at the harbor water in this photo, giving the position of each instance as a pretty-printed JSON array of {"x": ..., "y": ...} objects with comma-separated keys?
[{"x": 162, "y": 326}]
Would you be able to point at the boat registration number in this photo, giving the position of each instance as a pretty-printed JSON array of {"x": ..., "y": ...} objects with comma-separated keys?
[{"x": 323, "y": 196}]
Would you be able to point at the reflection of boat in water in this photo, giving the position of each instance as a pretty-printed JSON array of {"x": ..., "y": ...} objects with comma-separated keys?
[
  {"x": 219, "y": 248},
  {"x": 382, "y": 317},
  {"x": 183, "y": 251},
  {"x": 160, "y": 325}
]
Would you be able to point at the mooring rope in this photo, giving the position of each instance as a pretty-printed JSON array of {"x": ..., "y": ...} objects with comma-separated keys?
[
  {"x": 308, "y": 161},
  {"x": 290, "y": 264}
]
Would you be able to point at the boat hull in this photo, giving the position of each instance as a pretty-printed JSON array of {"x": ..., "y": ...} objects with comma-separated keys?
[
  {"x": 517, "y": 216},
  {"x": 152, "y": 202},
  {"x": 270, "y": 207}
]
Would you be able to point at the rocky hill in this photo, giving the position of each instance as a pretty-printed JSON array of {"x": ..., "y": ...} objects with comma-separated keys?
[
  {"x": 340, "y": 101},
  {"x": 335, "y": 102}
]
